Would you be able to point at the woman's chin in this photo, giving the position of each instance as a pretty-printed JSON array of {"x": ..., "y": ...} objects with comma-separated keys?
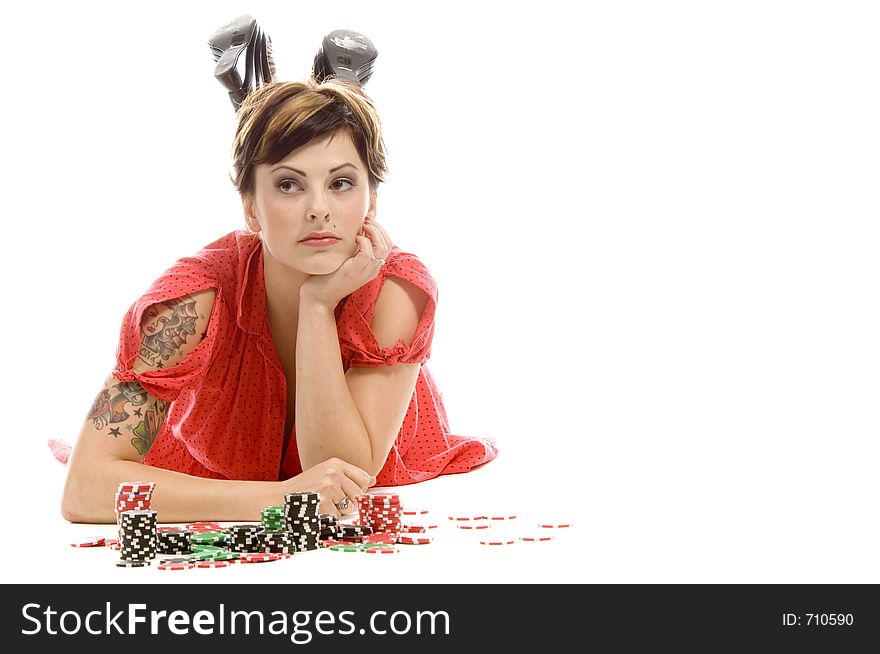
[{"x": 320, "y": 267}]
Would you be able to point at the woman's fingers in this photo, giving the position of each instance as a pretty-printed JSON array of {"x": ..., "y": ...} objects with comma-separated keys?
[
  {"x": 380, "y": 231},
  {"x": 377, "y": 238}
]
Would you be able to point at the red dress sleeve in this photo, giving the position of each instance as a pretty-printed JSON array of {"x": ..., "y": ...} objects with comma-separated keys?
[
  {"x": 357, "y": 341},
  {"x": 187, "y": 276}
]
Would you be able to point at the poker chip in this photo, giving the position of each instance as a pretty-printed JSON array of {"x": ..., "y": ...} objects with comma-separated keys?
[
  {"x": 126, "y": 563},
  {"x": 505, "y": 541},
  {"x": 466, "y": 518},
  {"x": 176, "y": 565},
  {"x": 259, "y": 557},
  {"x": 554, "y": 525},
  {"x": 92, "y": 541},
  {"x": 415, "y": 512},
  {"x": 212, "y": 563},
  {"x": 504, "y": 516},
  {"x": 381, "y": 550},
  {"x": 413, "y": 539},
  {"x": 346, "y": 548},
  {"x": 481, "y": 525},
  {"x": 535, "y": 539},
  {"x": 414, "y": 529}
]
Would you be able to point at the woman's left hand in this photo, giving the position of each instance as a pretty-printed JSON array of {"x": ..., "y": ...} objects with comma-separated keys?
[{"x": 372, "y": 249}]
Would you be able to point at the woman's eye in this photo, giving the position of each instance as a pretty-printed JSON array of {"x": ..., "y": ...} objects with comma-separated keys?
[
  {"x": 287, "y": 185},
  {"x": 342, "y": 184}
]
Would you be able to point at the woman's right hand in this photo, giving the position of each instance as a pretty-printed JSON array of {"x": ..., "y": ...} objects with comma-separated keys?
[{"x": 333, "y": 479}]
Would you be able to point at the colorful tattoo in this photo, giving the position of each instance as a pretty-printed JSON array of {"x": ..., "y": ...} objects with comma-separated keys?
[
  {"x": 165, "y": 327},
  {"x": 109, "y": 408},
  {"x": 146, "y": 431}
]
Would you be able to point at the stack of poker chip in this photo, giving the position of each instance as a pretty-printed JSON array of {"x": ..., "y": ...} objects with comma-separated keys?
[
  {"x": 133, "y": 496},
  {"x": 137, "y": 538},
  {"x": 208, "y": 538},
  {"x": 353, "y": 533},
  {"x": 382, "y": 512},
  {"x": 329, "y": 523},
  {"x": 302, "y": 520},
  {"x": 272, "y": 518},
  {"x": 173, "y": 541},
  {"x": 245, "y": 538},
  {"x": 278, "y": 542}
]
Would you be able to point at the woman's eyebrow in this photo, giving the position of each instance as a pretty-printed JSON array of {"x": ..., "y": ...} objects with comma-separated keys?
[{"x": 299, "y": 172}]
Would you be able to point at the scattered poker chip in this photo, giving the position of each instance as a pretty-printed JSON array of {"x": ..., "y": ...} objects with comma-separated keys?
[
  {"x": 381, "y": 550},
  {"x": 91, "y": 541},
  {"x": 126, "y": 563},
  {"x": 214, "y": 564},
  {"x": 346, "y": 548},
  {"x": 481, "y": 525},
  {"x": 176, "y": 565},
  {"x": 505, "y": 541},
  {"x": 413, "y": 539},
  {"x": 414, "y": 529},
  {"x": 380, "y": 537},
  {"x": 536, "y": 539},
  {"x": 467, "y": 518},
  {"x": 259, "y": 557},
  {"x": 415, "y": 511},
  {"x": 554, "y": 525},
  {"x": 503, "y": 517},
  {"x": 329, "y": 542}
]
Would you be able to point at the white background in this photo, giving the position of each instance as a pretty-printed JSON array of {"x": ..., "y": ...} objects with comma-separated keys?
[{"x": 654, "y": 227}]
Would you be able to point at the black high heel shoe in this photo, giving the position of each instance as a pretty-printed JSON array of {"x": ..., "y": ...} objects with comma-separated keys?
[
  {"x": 243, "y": 53},
  {"x": 346, "y": 55}
]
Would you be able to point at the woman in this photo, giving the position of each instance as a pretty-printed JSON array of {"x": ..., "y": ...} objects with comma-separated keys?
[{"x": 285, "y": 357}]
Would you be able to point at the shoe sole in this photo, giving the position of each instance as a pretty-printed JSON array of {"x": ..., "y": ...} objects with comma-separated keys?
[{"x": 346, "y": 55}]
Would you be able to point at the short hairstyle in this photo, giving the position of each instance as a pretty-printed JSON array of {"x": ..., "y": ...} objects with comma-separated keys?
[{"x": 280, "y": 117}]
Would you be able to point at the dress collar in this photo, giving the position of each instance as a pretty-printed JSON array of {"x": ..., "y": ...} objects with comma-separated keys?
[{"x": 251, "y": 298}]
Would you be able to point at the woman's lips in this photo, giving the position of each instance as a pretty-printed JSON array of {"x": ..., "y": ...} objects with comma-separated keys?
[{"x": 320, "y": 242}]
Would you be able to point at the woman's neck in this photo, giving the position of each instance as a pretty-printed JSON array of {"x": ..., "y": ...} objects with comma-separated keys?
[{"x": 282, "y": 292}]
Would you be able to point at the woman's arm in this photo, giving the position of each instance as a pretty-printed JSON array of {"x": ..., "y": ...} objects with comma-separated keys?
[
  {"x": 353, "y": 416},
  {"x": 123, "y": 424}
]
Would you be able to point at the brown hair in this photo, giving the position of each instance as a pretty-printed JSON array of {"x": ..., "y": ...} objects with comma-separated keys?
[{"x": 278, "y": 118}]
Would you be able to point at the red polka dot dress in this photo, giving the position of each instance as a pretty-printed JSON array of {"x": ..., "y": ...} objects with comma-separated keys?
[{"x": 226, "y": 419}]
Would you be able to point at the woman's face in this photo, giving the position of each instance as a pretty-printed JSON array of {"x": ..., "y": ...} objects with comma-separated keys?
[{"x": 320, "y": 187}]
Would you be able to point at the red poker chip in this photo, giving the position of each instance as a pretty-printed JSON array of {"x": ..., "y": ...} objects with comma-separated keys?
[
  {"x": 497, "y": 542},
  {"x": 214, "y": 563},
  {"x": 380, "y": 537},
  {"x": 381, "y": 550},
  {"x": 554, "y": 525},
  {"x": 259, "y": 557},
  {"x": 177, "y": 565},
  {"x": 503, "y": 517},
  {"x": 91, "y": 541},
  {"x": 412, "y": 539},
  {"x": 467, "y": 518},
  {"x": 415, "y": 511},
  {"x": 535, "y": 539},
  {"x": 479, "y": 526},
  {"x": 414, "y": 529},
  {"x": 135, "y": 486}
]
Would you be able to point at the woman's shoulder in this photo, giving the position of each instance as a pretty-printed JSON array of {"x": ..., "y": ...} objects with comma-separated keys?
[
  {"x": 218, "y": 263},
  {"x": 410, "y": 267}
]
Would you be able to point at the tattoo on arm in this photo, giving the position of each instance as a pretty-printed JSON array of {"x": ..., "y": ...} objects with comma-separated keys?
[
  {"x": 110, "y": 409},
  {"x": 164, "y": 329}
]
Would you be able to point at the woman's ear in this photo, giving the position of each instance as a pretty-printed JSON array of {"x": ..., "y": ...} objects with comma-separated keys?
[
  {"x": 371, "y": 211},
  {"x": 250, "y": 217}
]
